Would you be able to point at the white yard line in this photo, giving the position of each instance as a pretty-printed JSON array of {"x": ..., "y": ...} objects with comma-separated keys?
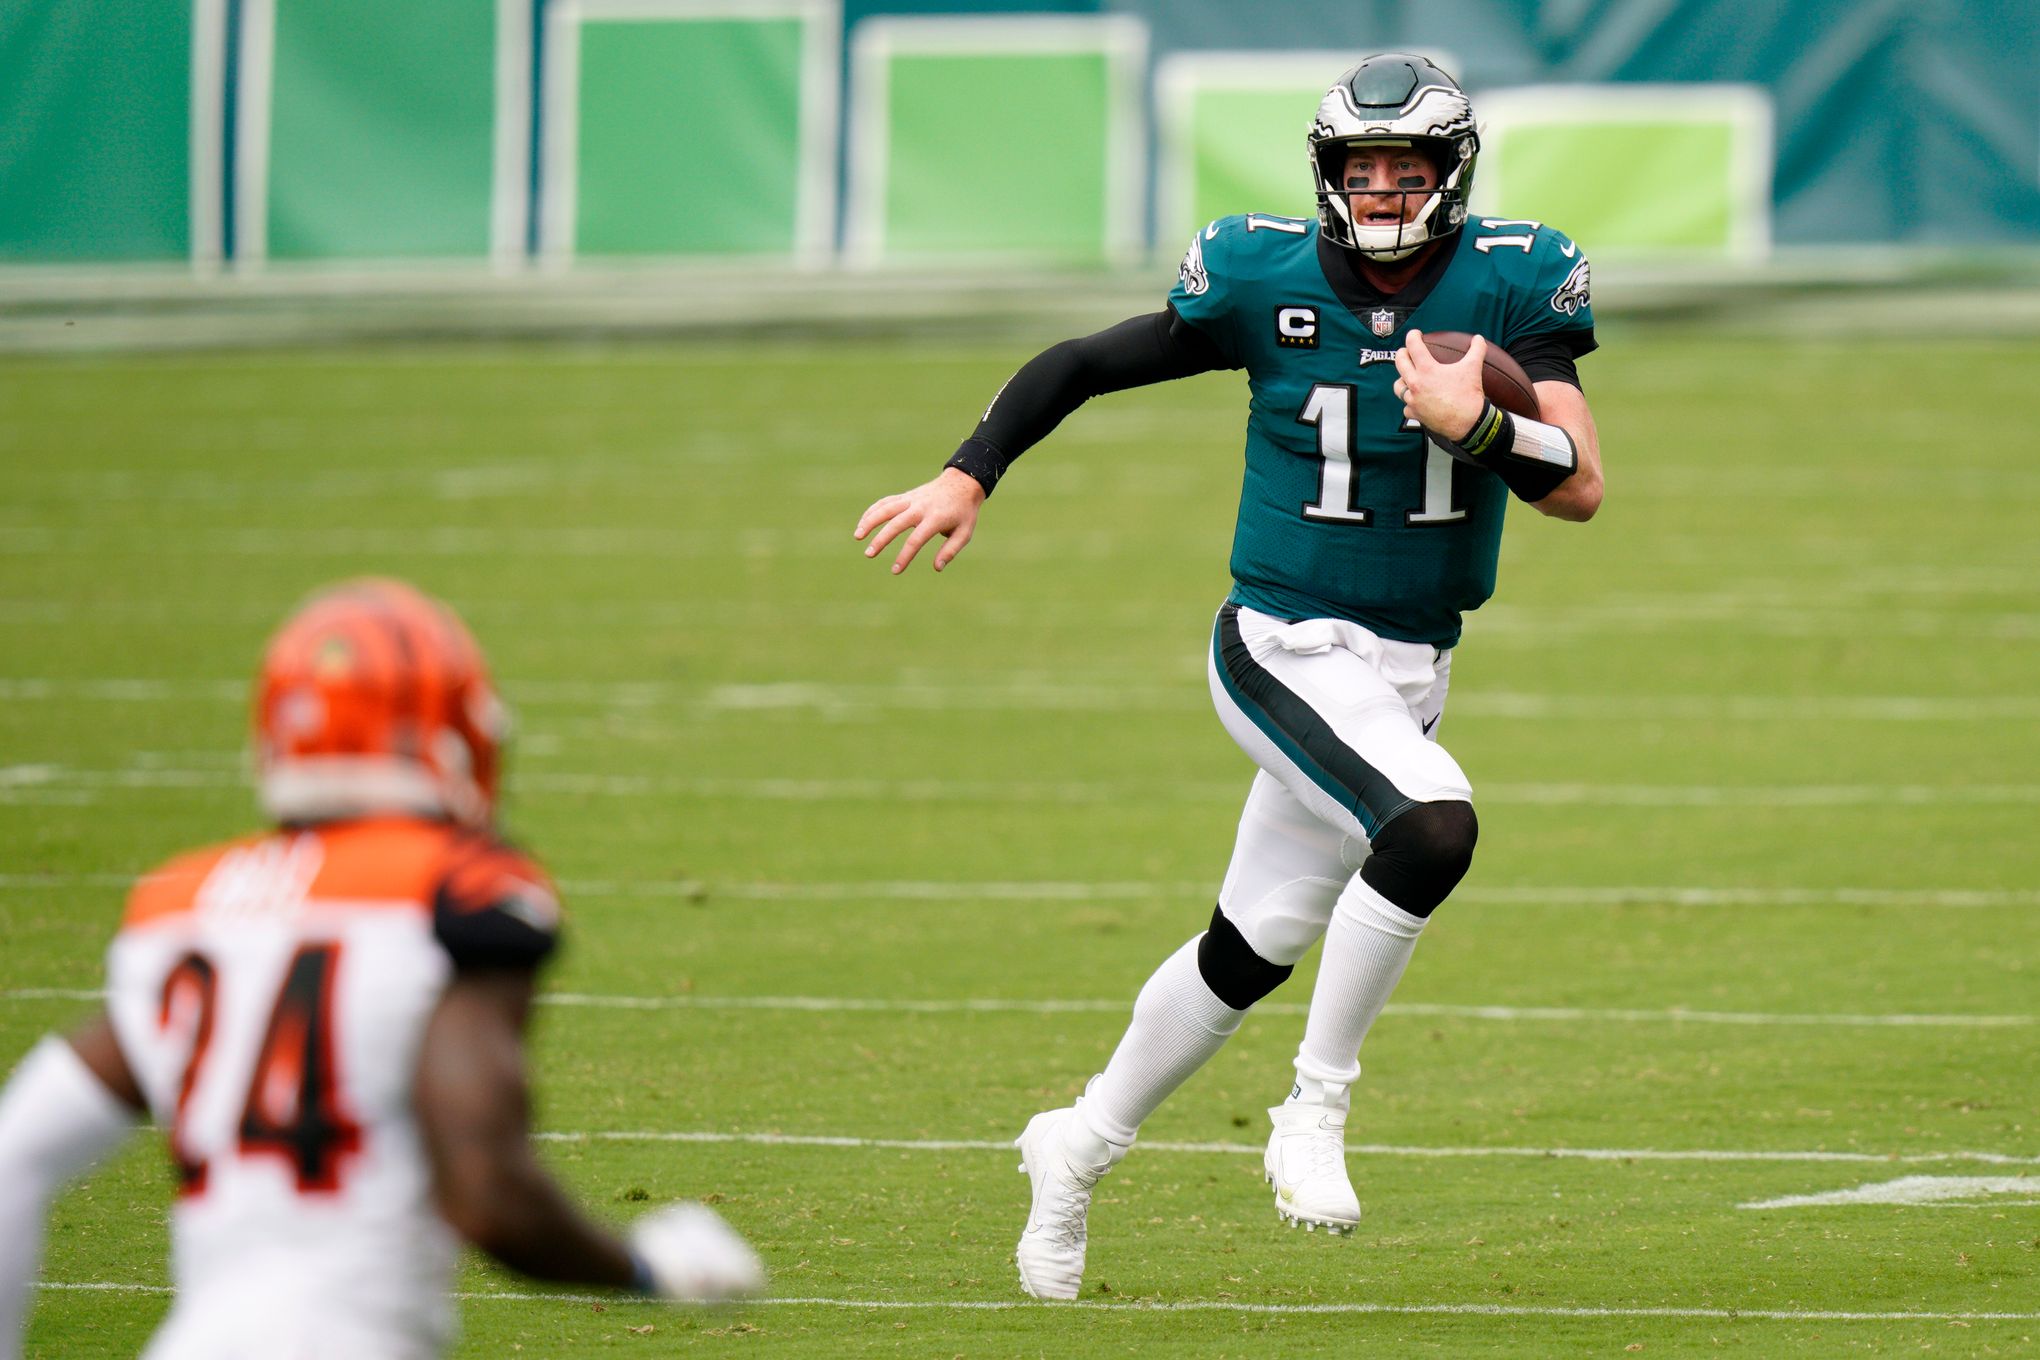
[
  {"x": 41, "y": 783},
  {"x": 1255, "y": 1149},
  {"x": 1181, "y": 1306},
  {"x": 1932, "y": 1191},
  {"x": 1080, "y": 1006},
  {"x": 1100, "y": 1006},
  {"x": 1119, "y": 890},
  {"x": 1102, "y": 695}
]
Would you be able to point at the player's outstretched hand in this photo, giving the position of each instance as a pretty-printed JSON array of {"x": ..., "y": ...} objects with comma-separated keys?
[
  {"x": 1447, "y": 398},
  {"x": 692, "y": 1256},
  {"x": 947, "y": 506}
]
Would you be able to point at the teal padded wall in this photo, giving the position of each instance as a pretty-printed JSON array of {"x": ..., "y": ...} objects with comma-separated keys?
[
  {"x": 1897, "y": 120},
  {"x": 95, "y": 129}
]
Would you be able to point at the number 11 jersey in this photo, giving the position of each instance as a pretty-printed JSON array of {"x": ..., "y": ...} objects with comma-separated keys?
[{"x": 1346, "y": 511}]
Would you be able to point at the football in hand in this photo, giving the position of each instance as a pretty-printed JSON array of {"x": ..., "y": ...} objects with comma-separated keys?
[{"x": 1503, "y": 379}]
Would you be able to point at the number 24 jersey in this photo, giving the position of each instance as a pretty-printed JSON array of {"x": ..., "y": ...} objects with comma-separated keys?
[
  {"x": 270, "y": 997},
  {"x": 1346, "y": 511}
]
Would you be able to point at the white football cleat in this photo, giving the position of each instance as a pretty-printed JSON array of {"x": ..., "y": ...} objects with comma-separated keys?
[
  {"x": 1306, "y": 1163},
  {"x": 1051, "y": 1250},
  {"x": 693, "y": 1256}
]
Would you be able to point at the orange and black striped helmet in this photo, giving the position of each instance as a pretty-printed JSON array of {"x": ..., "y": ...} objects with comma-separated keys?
[{"x": 375, "y": 698}]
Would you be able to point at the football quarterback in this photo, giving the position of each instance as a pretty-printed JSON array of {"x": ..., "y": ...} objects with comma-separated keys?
[
  {"x": 326, "y": 1019},
  {"x": 1370, "y": 520}
]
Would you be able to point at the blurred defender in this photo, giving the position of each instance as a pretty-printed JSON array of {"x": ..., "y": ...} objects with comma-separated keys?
[
  {"x": 1369, "y": 522},
  {"x": 328, "y": 1018}
]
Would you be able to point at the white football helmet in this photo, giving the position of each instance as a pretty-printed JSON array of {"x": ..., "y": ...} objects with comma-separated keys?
[{"x": 1397, "y": 99}]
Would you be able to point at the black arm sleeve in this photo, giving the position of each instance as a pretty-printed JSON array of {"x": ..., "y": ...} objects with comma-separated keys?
[
  {"x": 1142, "y": 350},
  {"x": 1553, "y": 356}
]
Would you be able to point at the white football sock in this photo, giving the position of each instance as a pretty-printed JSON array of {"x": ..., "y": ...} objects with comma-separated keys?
[
  {"x": 1367, "y": 946},
  {"x": 1178, "y": 1024}
]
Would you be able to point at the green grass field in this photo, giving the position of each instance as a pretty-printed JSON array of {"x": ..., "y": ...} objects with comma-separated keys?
[{"x": 866, "y": 870}]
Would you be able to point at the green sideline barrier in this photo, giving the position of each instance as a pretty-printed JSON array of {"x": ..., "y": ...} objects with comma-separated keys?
[
  {"x": 371, "y": 130},
  {"x": 690, "y": 127},
  {"x": 996, "y": 138},
  {"x": 1633, "y": 171},
  {"x": 96, "y": 130},
  {"x": 1231, "y": 131}
]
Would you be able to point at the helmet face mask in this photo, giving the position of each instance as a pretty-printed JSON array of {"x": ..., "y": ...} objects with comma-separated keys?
[{"x": 1394, "y": 99}]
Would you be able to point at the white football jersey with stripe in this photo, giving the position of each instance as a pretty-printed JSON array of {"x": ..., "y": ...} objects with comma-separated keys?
[{"x": 270, "y": 997}]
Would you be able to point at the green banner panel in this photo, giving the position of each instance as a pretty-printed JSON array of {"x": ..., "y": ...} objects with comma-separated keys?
[
  {"x": 1038, "y": 188},
  {"x": 1249, "y": 154},
  {"x": 689, "y": 138},
  {"x": 382, "y": 127},
  {"x": 95, "y": 130},
  {"x": 1669, "y": 195},
  {"x": 1635, "y": 170}
]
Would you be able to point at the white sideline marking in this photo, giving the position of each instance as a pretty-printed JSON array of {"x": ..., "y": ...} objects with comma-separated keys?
[
  {"x": 1101, "y": 696},
  {"x": 1025, "y": 1006},
  {"x": 938, "y": 890},
  {"x": 1951, "y": 1191},
  {"x": 1064, "y": 890},
  {"x": 40, "y": 783},
  {"x": 1080, "y": 1006},
  {"x": 1256, "y": 1149},
  {"x": 1107, "y": 696},
  {"x": 1173, "y": 1306}
]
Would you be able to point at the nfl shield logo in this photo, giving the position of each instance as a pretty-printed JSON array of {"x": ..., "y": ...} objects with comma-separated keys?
[{"x": 1382, "y": 322}]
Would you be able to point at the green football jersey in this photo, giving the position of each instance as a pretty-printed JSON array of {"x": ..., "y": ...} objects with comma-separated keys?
[{"x": 1346, "y": 512}]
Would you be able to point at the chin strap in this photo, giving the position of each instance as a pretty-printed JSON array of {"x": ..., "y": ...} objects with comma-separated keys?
[{"x": 1531, "y": 457}]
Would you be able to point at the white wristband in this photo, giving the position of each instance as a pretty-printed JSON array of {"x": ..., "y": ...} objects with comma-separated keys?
[{"x": 1543, "y": 443}]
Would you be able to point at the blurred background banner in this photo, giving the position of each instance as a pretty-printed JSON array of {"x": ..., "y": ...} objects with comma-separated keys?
[
  {"x": 97, "y": 129},
  {"x": 678, "y": 127},
  {"x": 367, "y": 130},
  {"x": 535, "y": 138}
]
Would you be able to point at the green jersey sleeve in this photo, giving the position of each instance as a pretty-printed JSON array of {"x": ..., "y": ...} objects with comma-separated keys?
[
  {"x": 1202, "y": 296},
  {"x": 1553, "y": 293}
]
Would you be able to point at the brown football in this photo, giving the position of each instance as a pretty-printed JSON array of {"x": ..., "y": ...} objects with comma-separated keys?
[{"x": 1507, "y": 385}]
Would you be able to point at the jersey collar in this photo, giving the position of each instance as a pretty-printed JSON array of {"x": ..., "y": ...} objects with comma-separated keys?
[{"x": 1362, "y": 297}]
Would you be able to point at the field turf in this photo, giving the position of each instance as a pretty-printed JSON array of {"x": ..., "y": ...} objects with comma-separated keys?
[{"x": 864, "y": 871}]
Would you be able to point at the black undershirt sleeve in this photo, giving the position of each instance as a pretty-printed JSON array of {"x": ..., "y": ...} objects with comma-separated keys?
[
  {"x": 1553, "y": 356},
  {"x": 1141, "y": 350}
]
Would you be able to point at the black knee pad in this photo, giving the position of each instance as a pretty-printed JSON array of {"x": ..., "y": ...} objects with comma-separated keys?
[
  {"x": 1235, "y": 973},
  {"x": 1421, "y": 855}
]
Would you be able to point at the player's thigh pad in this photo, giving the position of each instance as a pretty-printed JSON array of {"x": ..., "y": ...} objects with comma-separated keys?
[
  {"x": 1330, "y": 710},
  {"x": 1288, "y": 867}
]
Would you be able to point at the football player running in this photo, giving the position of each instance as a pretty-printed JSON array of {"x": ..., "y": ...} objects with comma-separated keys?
[
  {"x": 327, "y": 1019},
  {"x": 1369, "y": 523}
]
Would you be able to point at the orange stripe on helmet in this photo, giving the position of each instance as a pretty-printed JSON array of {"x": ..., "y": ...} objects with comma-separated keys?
[{"x": 376, "y": 678}]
